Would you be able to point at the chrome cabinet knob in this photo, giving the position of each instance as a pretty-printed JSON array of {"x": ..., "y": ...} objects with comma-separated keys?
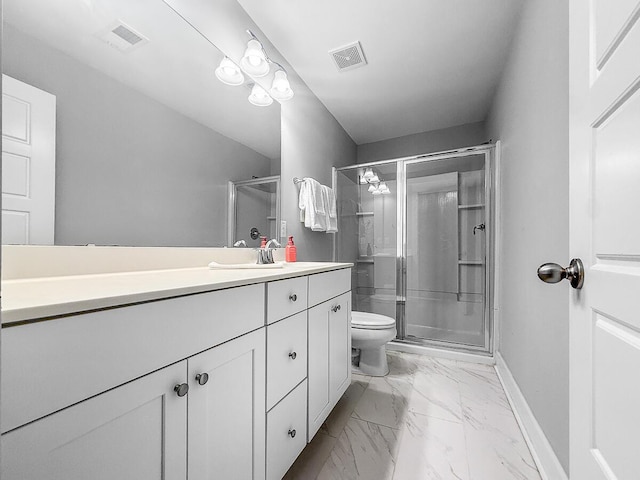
[
  {"x": 553, "y": 273},
  {"x": 292, "y": 433},
  {"x": 181, "y": 389},
  {"x": 293, "y": 355},
  {"x": 293, "y": 297},
  {"x": 202, "y": 378},
  {"x": 335, "y": 308}
]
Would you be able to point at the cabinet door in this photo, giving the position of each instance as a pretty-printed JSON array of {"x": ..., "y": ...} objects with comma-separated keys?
[
  {"x": 227, "y": 413},
  {"x": 136, "y": 431},
  {"x": 329, "y": 358},
  {"x": 339, "y": 346},
  {"x": 318, "y": 374}
]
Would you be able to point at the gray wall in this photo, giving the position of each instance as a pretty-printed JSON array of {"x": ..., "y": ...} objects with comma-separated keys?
[
  {"x": 434, "y": 141},
  {"x": 130, "y": 171},
  {"x": 530, "y": 117},
  {"x": 312, "y": 142}
]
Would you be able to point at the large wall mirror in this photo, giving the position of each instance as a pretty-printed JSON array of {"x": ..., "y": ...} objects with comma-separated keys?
[{"x": 146, "y": 139}]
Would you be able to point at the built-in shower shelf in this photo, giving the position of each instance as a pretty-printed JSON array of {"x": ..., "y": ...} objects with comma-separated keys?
[
  {"x": 468, "y": 207},
  {"x": 363, "y": 214},
  {"x": 470, "y": 262},
  {"x": 364, "y": 260}
]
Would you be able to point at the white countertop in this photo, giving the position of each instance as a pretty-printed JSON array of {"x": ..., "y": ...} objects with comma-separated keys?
[{"x": 39, "y": 298}]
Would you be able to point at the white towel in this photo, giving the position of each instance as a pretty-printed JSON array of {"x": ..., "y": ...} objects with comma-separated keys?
[
  {"x": 312, "y": 205},
  {"x": 331, "y": 210}
]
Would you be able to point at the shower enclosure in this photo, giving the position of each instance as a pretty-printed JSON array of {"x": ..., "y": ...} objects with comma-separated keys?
[{"x": 419, "y": 231}]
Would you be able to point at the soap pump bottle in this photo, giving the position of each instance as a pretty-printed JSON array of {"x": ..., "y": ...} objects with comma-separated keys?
[{"x": 290, "y": 250}]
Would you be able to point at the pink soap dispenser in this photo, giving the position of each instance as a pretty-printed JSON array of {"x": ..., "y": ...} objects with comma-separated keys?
[{"x": 290, "y": 253}]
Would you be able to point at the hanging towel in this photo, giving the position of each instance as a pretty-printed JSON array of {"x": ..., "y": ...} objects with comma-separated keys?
[
  {"x": 312, "y": 205},
  {"x": 331, "y": 210}
]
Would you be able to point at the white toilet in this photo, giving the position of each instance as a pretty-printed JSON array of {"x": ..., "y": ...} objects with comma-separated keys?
[{"x": 370, "y": 333}]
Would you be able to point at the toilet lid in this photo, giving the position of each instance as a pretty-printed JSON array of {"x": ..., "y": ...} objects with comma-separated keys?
[{"x": 371, "y": 321}]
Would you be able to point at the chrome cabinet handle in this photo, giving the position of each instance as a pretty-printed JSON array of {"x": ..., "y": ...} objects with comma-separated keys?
[
  {"x": 202, "y": 378},
  {"x": 293, "y": 297},
  {"x": 335, "y": 308},
  {"x": 553, "y": 273},
  {"x": 181, "y": 389},
  {"x": 293, "y": 355},
  {"x": 292, "y": 433}
]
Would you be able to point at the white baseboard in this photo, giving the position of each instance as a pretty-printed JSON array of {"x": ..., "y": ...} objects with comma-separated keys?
[
  {"x": 440, "y": 353},
  {"x": 546, "y": 460}
]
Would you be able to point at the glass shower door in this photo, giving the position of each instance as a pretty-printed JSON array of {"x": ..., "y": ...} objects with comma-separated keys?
[
  {"x": 367, "y": 234},
  {"x": 445, "y": 251}
]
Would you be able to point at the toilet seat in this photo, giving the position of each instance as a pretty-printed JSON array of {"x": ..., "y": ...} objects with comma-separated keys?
[{"x": 371, "y": 321}]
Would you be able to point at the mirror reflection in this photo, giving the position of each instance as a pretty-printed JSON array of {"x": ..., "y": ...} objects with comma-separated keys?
[{"x": 116, "y": 131}]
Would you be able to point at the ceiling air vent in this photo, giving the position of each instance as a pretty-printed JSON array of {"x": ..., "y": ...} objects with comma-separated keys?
[
  {"x": 122, "y": 37},
  {"x": 348, "y": 57}
]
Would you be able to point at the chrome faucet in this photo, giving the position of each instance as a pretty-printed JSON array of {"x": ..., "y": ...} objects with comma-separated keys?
[
  {"x": 240, "y": 243},
  {"x": 265, "y": 255},
  {"x": 273, "y": 243}
]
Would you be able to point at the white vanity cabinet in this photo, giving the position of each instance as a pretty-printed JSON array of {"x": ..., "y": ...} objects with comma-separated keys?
[
  {"x": 137, "y": 430},
  {"x": 229, "y": 383}
]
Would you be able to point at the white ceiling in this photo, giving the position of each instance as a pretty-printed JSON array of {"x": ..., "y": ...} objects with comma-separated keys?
[{"x": 432, "y": 63}]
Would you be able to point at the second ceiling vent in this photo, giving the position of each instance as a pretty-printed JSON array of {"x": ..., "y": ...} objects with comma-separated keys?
[{"x": 348, "y": 57}]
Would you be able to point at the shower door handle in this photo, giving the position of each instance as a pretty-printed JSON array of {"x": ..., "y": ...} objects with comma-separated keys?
[{"x": 553, "y": 273}]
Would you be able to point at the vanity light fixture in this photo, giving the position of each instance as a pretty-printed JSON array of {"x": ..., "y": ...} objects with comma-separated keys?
[
  {"x": 229, "y": 73},
  {"x": 259, "y": 97},
  {"x": 280, "y": 88},
  {"x": 368, "y": 174},
  {"x": 254, "y": 61},
  {"x": 372, "y": 188}
]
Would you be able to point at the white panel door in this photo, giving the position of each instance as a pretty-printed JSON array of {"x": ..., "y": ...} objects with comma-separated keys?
[
  {"x": 136, "y": 431},
  {"x": 28, "y": 163},
  {"x": 605, "y": 233},
  {"x": 227, "y": 413}
]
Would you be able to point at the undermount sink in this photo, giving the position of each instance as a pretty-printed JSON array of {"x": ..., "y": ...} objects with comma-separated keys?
[{"x": 244, "y": 266}]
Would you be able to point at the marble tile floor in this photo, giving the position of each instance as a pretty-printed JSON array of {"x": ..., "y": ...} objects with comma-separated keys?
[{"x": 430, "y": 418}]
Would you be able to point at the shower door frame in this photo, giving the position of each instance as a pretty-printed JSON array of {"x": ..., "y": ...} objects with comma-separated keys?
[{"x": 488, "y": 150}]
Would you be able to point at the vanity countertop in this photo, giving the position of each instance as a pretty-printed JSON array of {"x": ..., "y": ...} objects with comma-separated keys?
[{"x": 31, "y": 299}]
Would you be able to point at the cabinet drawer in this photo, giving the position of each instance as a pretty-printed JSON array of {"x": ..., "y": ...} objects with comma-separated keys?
[
  {"x": 73, "y": 358},
  {"x": 286, "y": 356},
  {"x": 323, "y": 286},
  {"x": 286, "y": 432},
  {"x": 285, "y": 298}
]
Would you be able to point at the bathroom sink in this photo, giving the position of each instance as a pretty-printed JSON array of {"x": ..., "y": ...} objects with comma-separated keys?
[{"x": 244, "y": 266}]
